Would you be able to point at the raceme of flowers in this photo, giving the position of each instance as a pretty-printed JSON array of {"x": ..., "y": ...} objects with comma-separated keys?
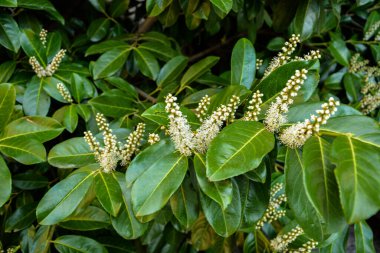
[
  {"x": 113, "y": 151},
  {"x": 65, "y": 93},
  {"x": 372, "y": 30}
]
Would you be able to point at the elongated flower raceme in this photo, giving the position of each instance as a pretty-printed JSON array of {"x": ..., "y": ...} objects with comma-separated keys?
[
  {"x": 281, "y": 242},
  {"x": 275, "y": 114},
  {"x": 273, "y": 213},
  {"x": 305, "y": 248},
  {"x": 372, "y": 30},
  {"x": 254, "y": 107},
  {"x": 201, "y": 110},
  {"x": 43, "y": 36},
  {"x": 132, "y": 145},
  {"x": 50, "y": 68},
  {"x": 296, "y": 135},
  {"x": 212, "y": 125},
  {"x": 179, "y": 128},
  {"x": 65, "y": 93}
]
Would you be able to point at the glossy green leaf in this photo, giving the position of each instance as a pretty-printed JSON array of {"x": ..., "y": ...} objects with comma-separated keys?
[
  {"x": 226, "y": 221},
  {"x": 36, "y": 101},
  {"x": 6, "y": 70},
  {"x": 89, "y": 218},
  {"x": 114, "y": 103},
  {"x": 184, "y": 204},
  {"x": 161, "y": 51},
  {"x": 352, "y": 85},
  {"x": 81, "y": 88},
  {"x": 171, "y": 70},
  {"x": 32, "y": 46},
  {"x": 339, "y": 50},
  {"x": 147, "y": 63},
  {"x": 110, "y": 62},
  {"x": 70, "y": 118},
  {"x": 63, "y": 198},
  {"x": 123, "y": 85},
  {"x": 22, "y": 218},
  {"x": 126, "y": 224},
  {"x": 42, "y": 239},
  {"x": 29, "y": 181},
  {"x": 71, "y": 153},
  {"x": 223, "y": 5},
  {"x": 7, "y": 101},
  {"x": 305, "y": 213},
  {"x": 5, "y": 182},
  {"x": 98, "y": 29},
  {"x": 53, "y": 44},
  {"x": 238, "y": 148},
  {"x": 243, "y": 63},
  {"x": 202, "y": 234},
  {"x": 119, "y": 7},
  {"x": 32, "y": 127},
  {"x": 223, "y": 97},
  {"x": 338, "y": 244},
  {"x": 8, "y": 3},
  {"x": 108, "y": 192},
  {"x": 26, "y": 151},
  {"x": 220, "y": 192},
  {"x": 153, "y": 189},
  {"x": 9, "y": 33},
  {"x": 358, "y": 176},
  {"x": 320, "y": 183},
  {"x": 198, "y": 69},
  {"x": 78, "y": 244},
  {"x": 363, "y": 238},
  {"x": 307, "y": 17},
  {"x": 105, "y": 46},
  {"x": 153, "y": 156},
  {"x": 43, "y": 5}
]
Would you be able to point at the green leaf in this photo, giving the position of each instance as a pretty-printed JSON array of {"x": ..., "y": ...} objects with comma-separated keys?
[
  {"x": 226, "y": 221},
  {"x": 106, "y": 46},
  {"x": 220, "y": 192},
  {"x": 70, "y": 118},
  {"x": 171, "y": 70},
  {"x": 9, "y": 33},
  {"x": 81, "y": 87},
  {"x": 339, "y": 50},
  {"x": 126, "y": 224},
  {"x": 307, "y": 17},
  {"x": 29, "y": 181},
  {"x": 7, "y": 101},
  {"x": 98, "y": 29},
  {"x": 6, "y": 70},
  {"x": 42, "y": 239},
  {"x": 43, "y": 5},
  {"x": 363, "y": 238},
  {"x": 118, "y": 7},
  {"x": 123, "y": 85},
  {"x": 53, "y": 44},
  {"x": 358, "y": 176},
  {"x": 238, "y": 148},
  {"x": 113, "y": 103},
  {"x": 243, "y": 63},
  {"x": 5, "y": 182},
  {"x": 22, "y": 218},
  {"x": 89, "y": 218},
  {"x": 223, "y": 97},
  {"x": 153, "y": 156},
  {"x": 108, "y": 192},
  {"x": 304, "y": 212},
  {"x": 78, "y": 244},
  {"x": 147, "y": 63},
  {"x": 152, "y": 190},
  {"x": 184, "y": 204},
  {"x": 110, "y": 62},
  {"x": 198, "y": 69},
  {"x": 32, "y": 46},
  {"x": 36, "y": 101},
  {"x": 161, "y": 51},
  {"x": 352, "y": 85},
  {"x": 63, "y": 198},
  {"x": 8, "y": 3},
  {"x": 223, "y": 5},
  {"x": 32, "y": 127},
  {"x": 320, "y": 183},
  {"x": 71, "y": 153},
  {"x": 202, "y": 234},
  {"x": 26, "y": 151}
]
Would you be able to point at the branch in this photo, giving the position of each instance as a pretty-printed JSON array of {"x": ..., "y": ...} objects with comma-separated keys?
[
  {"x": 146, "y": 95},
  {"x": 146, "y": 25}
]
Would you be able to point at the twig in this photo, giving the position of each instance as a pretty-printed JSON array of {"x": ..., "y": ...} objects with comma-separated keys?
[
  {"x": 146, "y": 95},
  {"x": 146, "y": 25}
]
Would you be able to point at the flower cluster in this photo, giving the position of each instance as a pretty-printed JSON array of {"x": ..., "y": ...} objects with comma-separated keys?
[
  {"x": 272, "y": 213},
  {"x": 284, "y": 56},
  {"x": 112, "y": 152},
  {"x": 201, "y": 110},
  {"x": 356, "y": 64},
  {"x": 51, "y": 68},
  {"x": 275, "y": 115},
  {"x": 305, "y": 248},
  {"x": 153, "y": 138},
  {"x": 312, "y": 55},
  {"x": 180, "y": 132},
  {"x": 296, "y": 135},
  {"x": 43, "y": 36},
  {"x": 65, "y": 93},
  {"x": 281, "y": 242},
  {"x": 371, "y": 98},
  {"x": 259, "y": 63},
  {"x": 254, "y": 107},
  {"x": 372, "y": 30}
]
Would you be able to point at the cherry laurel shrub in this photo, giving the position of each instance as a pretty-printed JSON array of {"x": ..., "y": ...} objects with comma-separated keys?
[{"x": 186, "y": 125}]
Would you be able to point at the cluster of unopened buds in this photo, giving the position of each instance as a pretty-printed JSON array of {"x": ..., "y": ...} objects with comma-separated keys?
[
  {"x": 253, "y": 110},
  {"x": 65, "y": 93},
  {"x": 372, "y": 30},
  {"x": 113, "y": 151},
  {"x": 281, "y": 242},
  {"x": 296, "y": 135},
  {"x": 153, "y": 138}
]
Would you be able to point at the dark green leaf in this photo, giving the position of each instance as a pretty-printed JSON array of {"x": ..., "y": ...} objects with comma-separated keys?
[
  {"x": 147, "y": 63},
  {"x": 98, "y": 29},
  {"x": 6, "y": 71},
  {"x": 161, "y": 51},
  {"x": 22, "y": 218},
  {"x": 171, "y": 70},
  {"x": 223, "y": 5},
  {"x": 9, "y": 33},
  {"x": 81, "y": 88},
  {"x": 89, "y": 218},
  {"x": 42, "y": 239},
  {"x": 307, "y": 17},
  {"x": 198, "y": 69},
  {"x": 110, "y": 62},
  {"x": 78, "y": 244},
  {"x": 70, "y": 118},
  {"x": 26, "y": 151},
  {"x": 5, "y": 182},
  {"x": 44, "y": 5},
  {"x": 36, "y": 101},
  {"x": 202, "y": 234},
  {"x": 32, "y": 46},
  {"x": 118, "y": 7},
  {"x": 108, "y": 192},
  {"x": 243, "y": 63},
  {"x": 7, "y": 101},
  {"x": 339, "y": 50},
  {"x": 106, "y": 46},
  {"x": 29, "y": 181},
  {"x": 363, "y": 238}
]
